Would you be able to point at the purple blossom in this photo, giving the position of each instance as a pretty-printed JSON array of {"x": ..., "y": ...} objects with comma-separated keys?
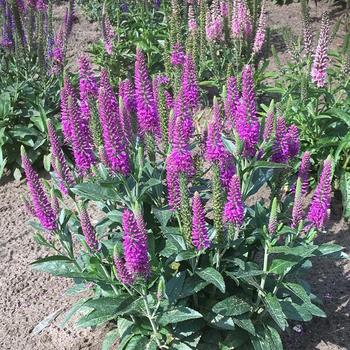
[
  {"x": 280, "y": 146},
  {"x": 189, "y": 83},
  {"x": 87, "y": 82},
  {"x": 231, "y": 100},
  {"x": 135, "y": 244},
  {"x": 123, "y": 274},
  {"x": 177, "y": 56},
  {"x": 192, "y": 23},
  {"x": 80, "y": 135},
  {"x": 234, "y": 209},
  {"x": 200, "y": 236},
  {"x": 147, "y": 114},
  {"x": 320, "y": 63},
  {"x": 304, "y": 172},
  {"x": 241, "y": 25},
  {"x": 227, "y": 169},
  {"x": 214, "y": 22},
  {"x": 108, "y": 34},
  {"x": 127, "y": 94},
  {"x": 114, "y": 142},
  {"x": 66, "y": 91},
  {"x": 224, "y": 8},
  {"x": 261, "y": 31},
  {"x": 58, "y": 50},
  {"x": 269, "y": 126},
  {"x": 318, "y": 212},
  {"x": 292, "y": 138},
  {"x": 41, "y": 204},
  {"x": 59, "y": 163},
  {"x": 88, "y": 230},
  {"x": 7, "y": 40}
]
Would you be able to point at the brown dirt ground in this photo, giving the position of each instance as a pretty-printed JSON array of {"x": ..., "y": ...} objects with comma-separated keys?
[{"x": 27, "y": 297}]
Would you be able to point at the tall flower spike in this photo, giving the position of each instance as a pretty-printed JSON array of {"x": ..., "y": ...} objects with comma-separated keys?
[
  {"x": 87, "y": 82},
  {"x": 58, "y": 50},
  {"x": 234, "y": 209},
  {"x": 177, "y": 56},
  {"x": 280, "y": 147},
  {"x": 320, "y": 63},
  {"x": 81, "y": 138},
  {"x": 241, "y": 26},
  {"x": 269, "y": 126},
  {"x": 293, "y": 142},
  {"x": 261, "y": 32},
  {"x": 123, "y": 274},
  {"x": 135, "y": 245},
  {"x": 127, "y": 93},
  {"x": 297, "y": 213},
  {"x": 41, "y": 203},
  {"x": 192, "y": 23},
  {"x": 307, "y": 34},
  {"x": 147, "y": 115},
  {"x": 231, "y": 100},
  {"x": 189, "y": 83},
  {"x": 88, "y": 230},
  {"x": 318, "y": 212},
  {"x": 304, "y": 172},
  {"x": 114, "y": 142},
  {"x": 59, "y": 163},
  {"x": 108, "y": 34},
  {"x": 200, "y": 237}
]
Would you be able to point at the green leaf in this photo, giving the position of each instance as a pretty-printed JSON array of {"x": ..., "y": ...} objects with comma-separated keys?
[
  {"x": 57, "y": 265},
  {"x": 295, "y": 312},
  {"x": 212, "y": 276},
  {"x": 95, "y": 318},
  {"x": 124, "y": 326},
  {"x": 283, "y": 265},
  {"x": 275, "y": 339},
  {"x": 137, "y": 342},
  {"x": 269, "y": 165},
  {"x": 115, "y": 216},
  {"x": 328, "y": 248},
  {"x": 174, "y": 286},
  {"x": 223, "y": 322},
  {"x": 185, "y": 255},
  {"x": 274, "y": 308},
  {"x": 192, "y": 285},
  {"x": 232, "y": 306},
  {"x": 94, "y": 192},
  {"x": 180, "y": 314},
  {"x": 110, "y": 339},
  {"x": 74, "y": 309},
  {"x": 244, "y": 322},
  {"x": 163, "y": 215}
]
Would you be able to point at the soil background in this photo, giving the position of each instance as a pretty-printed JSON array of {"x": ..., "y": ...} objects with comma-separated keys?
[{"x": 27, "y": 297}]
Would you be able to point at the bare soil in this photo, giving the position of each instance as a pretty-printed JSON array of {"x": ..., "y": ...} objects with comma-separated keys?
[{"x": 27, "y": 297}]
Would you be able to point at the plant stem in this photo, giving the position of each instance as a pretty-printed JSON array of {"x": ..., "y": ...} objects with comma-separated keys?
[{"x": 150, "y": 318}]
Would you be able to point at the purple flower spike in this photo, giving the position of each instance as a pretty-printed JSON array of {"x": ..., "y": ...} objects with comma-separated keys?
[
  {"x": 135, "y": 245},
  {"x": 147, "y": 114},
  {"x": 192, "y": 23},
  {"x": 59, "y": 163},
  {"x": 269, "y": 126},
  {"x": 177, "y": 56},
  {"x": 189, "y": 83},
  {"x": 304, "y": 172},
  {"x": 293, "y": 142},
  {"x": 88, "y": 230},
  {"x": 234, "y": 209},
  {"x": 318, "y": 212},
  {"x": 241, "y": 26},
  {"x": 280, "y": 147},
  {"x": 231, "y": 100},
  {"x": 58, "y": 50},
  {"x": 261, "y": 32},
  {"x": 321, "y": 60},
  {"x": 87, "y": 82},
  {"x": 214, "y": 23},
  {"x": 200, "y": 236},
  {"x": 108, "y": 34},
  {"x": 113, "y": 139},
  {"x": 127, "y": 93},
  {"x": 81, "y": 138},
  {"x": 41, "y": 203},
  {"x": 123, "y": 274},
  {"x": 215, "y": 149}
]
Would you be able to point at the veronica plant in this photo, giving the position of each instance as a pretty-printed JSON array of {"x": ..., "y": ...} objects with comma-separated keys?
[
  {"x": 177, "y": 253},
  {"x": 314, "y": 94}
]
